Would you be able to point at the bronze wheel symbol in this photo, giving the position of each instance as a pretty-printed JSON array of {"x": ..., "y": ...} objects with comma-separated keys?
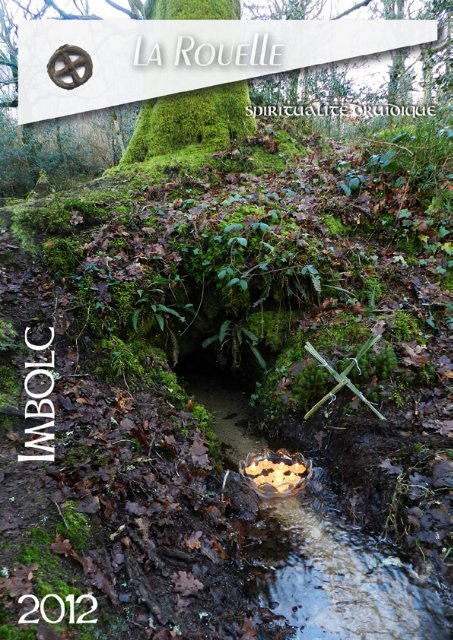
[{"x": 70, "y": 67}]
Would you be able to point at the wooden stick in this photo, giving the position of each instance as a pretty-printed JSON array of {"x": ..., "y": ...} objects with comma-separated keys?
[{"x": 342, "y": 378}]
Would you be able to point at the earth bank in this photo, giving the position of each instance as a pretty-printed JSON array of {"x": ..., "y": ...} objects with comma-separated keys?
[{"x": 280, "y": 232}]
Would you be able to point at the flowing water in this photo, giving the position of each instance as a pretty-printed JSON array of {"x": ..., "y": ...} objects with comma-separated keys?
[{"x": 328, "y": 580}]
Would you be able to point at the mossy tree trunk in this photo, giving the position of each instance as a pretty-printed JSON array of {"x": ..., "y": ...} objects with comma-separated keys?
[{"x": 210, "y": 118}]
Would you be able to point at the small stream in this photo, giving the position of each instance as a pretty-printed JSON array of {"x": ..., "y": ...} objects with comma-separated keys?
[{"x": 328, "y": 580}]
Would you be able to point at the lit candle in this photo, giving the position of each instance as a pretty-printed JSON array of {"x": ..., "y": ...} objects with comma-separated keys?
[
  {"x": 298, "y": 468},
  {"x": 253, "y": 469}
]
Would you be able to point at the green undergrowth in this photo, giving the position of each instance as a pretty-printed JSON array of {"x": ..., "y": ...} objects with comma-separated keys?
[
  {"x": 8, "y": 336},
  {"x": 249, "y": 156},
  {"x": 181, "y": 251},
  {"x": 66, "y": 214},
  {"x": 142, "y": 366},
  {"x": 421, "y": 153},
  {"x": 12, "y": 631},
  {"x": 76, "y": 527},
  {"x": 297, "y": 381},
  {"x": 60, "y": 220},
  {"x": 53, "y": 574},
  {"x": 10, "y": 386}
]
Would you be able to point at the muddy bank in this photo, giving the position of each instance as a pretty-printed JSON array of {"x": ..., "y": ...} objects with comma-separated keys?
[
  {"x": 132, "y": 509},
  {"x": 393, "y": 478},
  {"x": 319, "y": 572}
]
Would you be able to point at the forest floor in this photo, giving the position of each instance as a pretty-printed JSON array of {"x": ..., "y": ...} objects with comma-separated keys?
[
  {"x": 133, "y": 509},
  {"x": 163, "y": 545}
]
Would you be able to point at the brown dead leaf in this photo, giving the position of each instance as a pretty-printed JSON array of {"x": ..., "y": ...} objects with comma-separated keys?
[
  {"x": 19, "y": 582},
  {"x": 61, "y": 546},
  {"x": 414, "y": 355},
  {"x": 194, "y": 541},
  {"x": 186, "y": 584},
  {"x": 248, "y": 631}
]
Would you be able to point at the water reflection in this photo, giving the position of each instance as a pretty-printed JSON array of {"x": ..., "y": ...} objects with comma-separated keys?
[
  {"x": 339, "y": 584},
  {"x": 334, "y": 583}
]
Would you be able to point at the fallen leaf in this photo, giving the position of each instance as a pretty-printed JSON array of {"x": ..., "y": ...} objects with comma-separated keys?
[{"x": 186, "y": 584}]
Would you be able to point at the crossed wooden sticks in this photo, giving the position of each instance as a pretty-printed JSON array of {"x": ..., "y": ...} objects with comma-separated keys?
[{"x": 342, "y": 378}]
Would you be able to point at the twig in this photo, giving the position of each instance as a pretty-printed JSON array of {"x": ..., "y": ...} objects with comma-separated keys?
[
  {"x": 391, "y": 144},
  {"x": 69, "y": 16},
  {"x": 364, "y": 3},
  {"x": 131, "y": 14},
  {"x": 60, "y": 512},
  {"x": 227, "y": 473}
]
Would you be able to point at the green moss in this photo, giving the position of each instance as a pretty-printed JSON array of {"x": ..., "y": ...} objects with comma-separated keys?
[
  {"x": 189, "y": 160},
  {"x": 335, "y": 226},
  {"x": 141, "y": 365},
  {"x": 406, "y": 326},
  {"x": 343, "y": 333},
  {"x": 124, "y": 298},
  {"x": 373, "y": 290},
  {"x": 401, "y": 394},
  {"x": 192, "y": 9},
  {"x": 169, "y": 382},
  {"x": 271, "y": 327},
  {"x": 62, "y": 255},
  {"x": 52, "y": 574},
  {"x": 288, "y": 145},
  {"x": 78, "y": 530},
  {"x": 8, "y": 336},
  {"x": 297, "y": 382},
  {"x": 207, "y": 119},
  {"x": 121, "y": 362},
  {"x": 12, "y": 632},
  {"x": 67, "y": 213},
  {"x": 10, "y": 387}
]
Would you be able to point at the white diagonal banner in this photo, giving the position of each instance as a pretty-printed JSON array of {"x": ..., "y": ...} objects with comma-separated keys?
[{"x": 112, "y": 62}]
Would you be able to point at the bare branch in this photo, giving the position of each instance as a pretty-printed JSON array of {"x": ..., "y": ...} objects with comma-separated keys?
[
  {"x": 69, "y": 16},
  {"x": 132, "y": 14},
  {"x": 364, "y": 3}
]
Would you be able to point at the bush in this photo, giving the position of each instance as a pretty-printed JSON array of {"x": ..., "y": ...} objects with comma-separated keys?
[{"x": 421, "y": 152}]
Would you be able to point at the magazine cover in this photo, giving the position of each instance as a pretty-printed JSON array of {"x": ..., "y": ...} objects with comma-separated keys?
[{"x": 224, "y": 307}]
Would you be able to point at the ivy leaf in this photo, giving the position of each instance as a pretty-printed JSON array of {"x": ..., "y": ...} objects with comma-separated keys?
[
  {"x": 236, "y": 226},
  {"x": 244, "y": 284},
  {"x": 316, "y": 281},
  {"x": 345, "y": 188},
  {"x": 242, "y": 241},
  {"x": 232, "y": 282}
]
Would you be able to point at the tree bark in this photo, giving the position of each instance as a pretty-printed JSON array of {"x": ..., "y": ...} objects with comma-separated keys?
[{"x": 205, "y": 119}]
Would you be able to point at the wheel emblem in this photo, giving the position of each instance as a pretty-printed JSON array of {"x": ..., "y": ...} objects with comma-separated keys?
[{"x": 70, "y": 67}]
